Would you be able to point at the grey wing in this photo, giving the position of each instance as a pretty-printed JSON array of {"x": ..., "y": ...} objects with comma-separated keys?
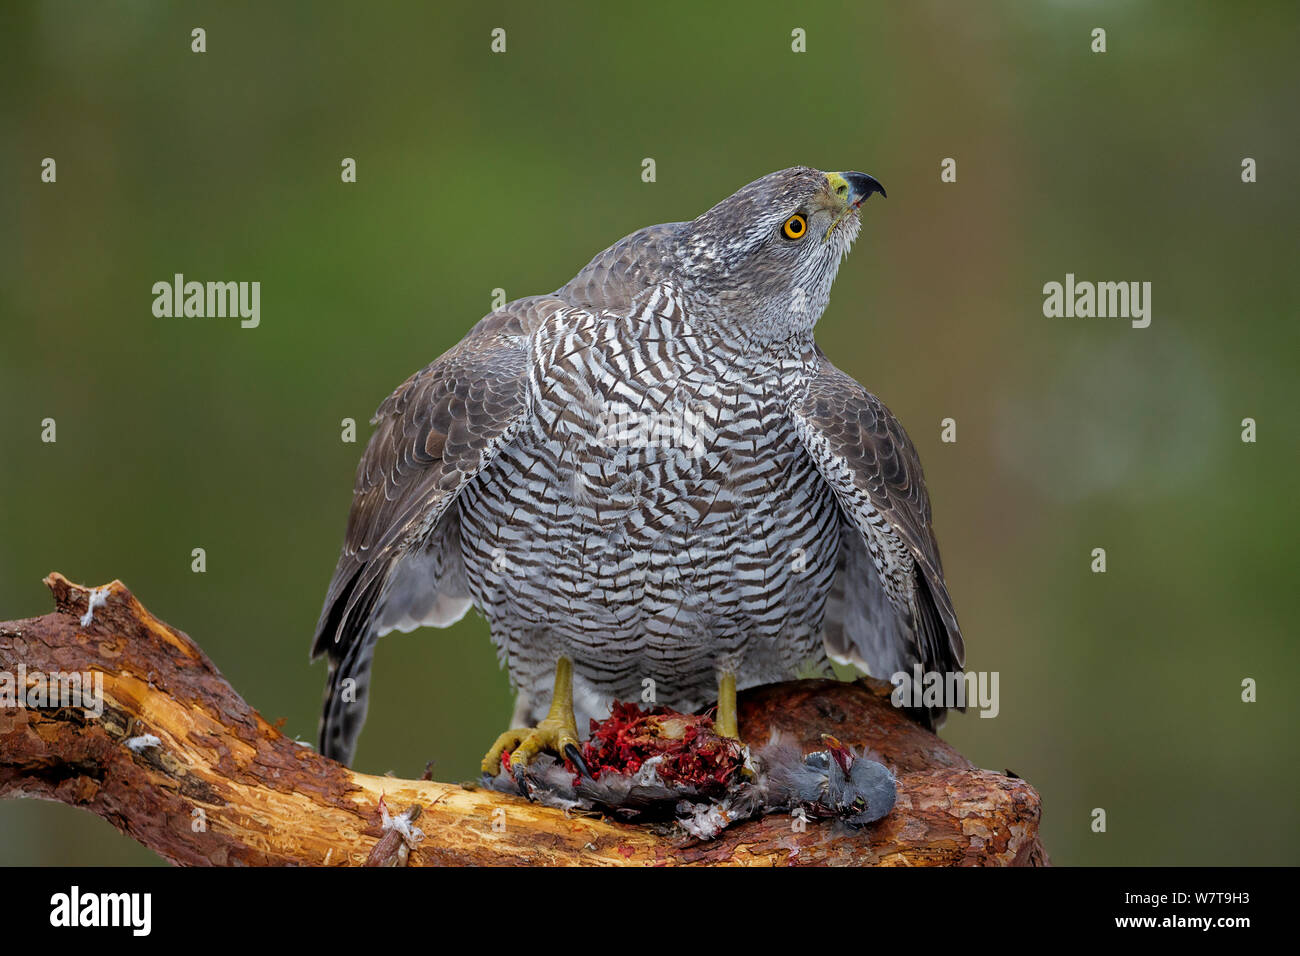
[
  {"x": 889, "y": 606},
  {"x": 400, "y": 564}
]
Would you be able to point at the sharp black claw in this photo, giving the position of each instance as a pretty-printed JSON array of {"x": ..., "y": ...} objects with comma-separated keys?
[
  {"x": 520, "y": 782},
  {"x": 575, "y": 755}
]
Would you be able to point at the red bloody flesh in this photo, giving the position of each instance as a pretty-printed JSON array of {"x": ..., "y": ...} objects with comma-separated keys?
[{"x": 693, "y": 754}]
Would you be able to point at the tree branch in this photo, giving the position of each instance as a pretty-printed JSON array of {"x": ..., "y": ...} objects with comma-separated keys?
[{"x": 178, "y": 761}]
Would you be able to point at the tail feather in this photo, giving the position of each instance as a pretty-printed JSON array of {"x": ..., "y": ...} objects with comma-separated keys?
[
  {"x": 347, "y": 698},
  {"x": 347, "y": 636}
]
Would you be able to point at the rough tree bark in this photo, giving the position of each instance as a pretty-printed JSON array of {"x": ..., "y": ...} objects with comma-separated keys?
[{"x": 179, "y": 762}]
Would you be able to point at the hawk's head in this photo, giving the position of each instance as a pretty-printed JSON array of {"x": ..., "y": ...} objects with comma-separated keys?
[{"x": 763, "y": 260}]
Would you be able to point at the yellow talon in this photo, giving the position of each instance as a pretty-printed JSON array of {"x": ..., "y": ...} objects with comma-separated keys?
[{"x": 557, "y": 732}]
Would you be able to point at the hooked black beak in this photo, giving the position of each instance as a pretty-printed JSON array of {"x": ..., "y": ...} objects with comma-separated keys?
[
  {"x": 861, "y": 186},
  {"x": 851, "y": 191}
]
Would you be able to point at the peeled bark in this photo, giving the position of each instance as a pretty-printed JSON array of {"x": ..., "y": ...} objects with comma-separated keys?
[{"x": 178, "y": 761}]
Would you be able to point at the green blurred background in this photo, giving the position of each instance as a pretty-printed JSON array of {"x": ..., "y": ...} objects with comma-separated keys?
[{"x": 476, "y": 171}]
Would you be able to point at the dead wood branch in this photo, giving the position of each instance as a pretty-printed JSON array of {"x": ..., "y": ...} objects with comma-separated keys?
[{"x": 178, "y": 761}]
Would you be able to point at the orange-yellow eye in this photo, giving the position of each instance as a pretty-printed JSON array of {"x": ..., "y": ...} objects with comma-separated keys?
[{"x": 795, "y": 227}]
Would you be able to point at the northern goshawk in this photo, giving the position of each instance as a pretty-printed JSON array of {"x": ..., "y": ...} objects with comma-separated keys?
[{"x": 651, "y": 474}]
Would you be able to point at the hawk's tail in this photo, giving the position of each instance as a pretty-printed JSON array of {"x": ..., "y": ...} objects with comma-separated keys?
[
  {"x": 347, "y": 697},
  {"x": 346, "y": 634}
]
